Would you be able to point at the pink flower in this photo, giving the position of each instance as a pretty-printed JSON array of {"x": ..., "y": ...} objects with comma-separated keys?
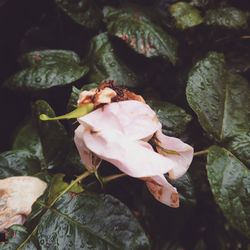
[{"x": 120, "y": 132}]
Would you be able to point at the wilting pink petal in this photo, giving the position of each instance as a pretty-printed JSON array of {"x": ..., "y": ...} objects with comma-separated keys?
[
  {"x": 119, "y": 133},
  {"x": 89, "y": 159},
  {"x": 134, "y": 119},
  {"x": 162, "y": 190},
  {"x": 130, "y": 156},
  {"x": 176, "y": 150},
  {"x": 17, "y": 194}
]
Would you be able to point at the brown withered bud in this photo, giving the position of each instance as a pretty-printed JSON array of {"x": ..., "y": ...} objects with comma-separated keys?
[{"x": 105, "y": 93}]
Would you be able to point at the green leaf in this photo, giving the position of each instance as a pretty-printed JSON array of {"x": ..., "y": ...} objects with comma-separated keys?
[
  {"x": 18, "y": 162},
  {"x": 16, "y": 235},
  {"x": 218, "y": 97},
  {"x": 57, "y": 185},
  {"x": 46, "y": 69},
  {"x": 27, "y": 138},
  {"x": 185, "y": 15},
  {"x": 230, "y": 183},
  {"x": 105, "y": 65},
  {"x": 227, "y": 17},
  {"x": 140, "y": 33},
  {"x": 240, "y": 145},
  {"x": 87, "y": 221},
  {"x": 48, "y": 57},
  {"x": 174, "y": 119},
  {"x": 78, "y": 112},
  {"x": 83, "y": 12},
  {"x": 54, "y": 138}
]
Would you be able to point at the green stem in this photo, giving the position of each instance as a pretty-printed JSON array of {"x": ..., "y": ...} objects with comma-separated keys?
[
  {"x": 202, "y": 152},
  {"x": 112, "y": 177},
  {"x": 78, "y": 179}
]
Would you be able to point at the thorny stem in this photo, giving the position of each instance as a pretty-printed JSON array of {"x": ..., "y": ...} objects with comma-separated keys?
[
  {"x": 112, "y": 177},
  {"x": 202, "y": 152}
]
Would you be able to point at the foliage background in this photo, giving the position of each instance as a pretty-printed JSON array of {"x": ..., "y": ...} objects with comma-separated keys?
[{"x": 204, "y": 220}]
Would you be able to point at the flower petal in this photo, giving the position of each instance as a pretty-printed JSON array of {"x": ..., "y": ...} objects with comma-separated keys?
[
  {"x": 134, "y": 119},
  {"x": 89, "y": 159},
  {"x": 162, "y": 190},
  {"x": 17, "y": 194},
  {"x": 176, "y": 150},
  {"x": 131, "y": 157}
]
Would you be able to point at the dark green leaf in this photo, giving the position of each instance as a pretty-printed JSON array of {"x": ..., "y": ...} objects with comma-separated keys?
[
  {"x": 48, "y": 57},
  {"x": 240, "y": 145},
  {"x": 230, "y": 183},
  {"x": 27, "y": 138},
  {"x": 55, "y": 141},
  {"x": 141, "y": 34},
  {"x": 105, "y": 65},
  {"x": 46, "y": 69},
  {"x": 18, "y": 162},
  {"x": 174, "y": 119},
  {"x": 16, "y": 235},
  {"x": 83, "y": 12},
  {"x": 87, "y": 221},
  {"x": 186, "y": 16},
  {"x": 218, "y": 97},
  {"x": 227, "y": 17}
]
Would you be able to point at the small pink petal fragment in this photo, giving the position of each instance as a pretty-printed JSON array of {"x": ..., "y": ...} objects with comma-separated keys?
[
  {"x": 162, "y": 190},
  {"x": 17, "y": 195},
  {"x": 179, "y": 152}
]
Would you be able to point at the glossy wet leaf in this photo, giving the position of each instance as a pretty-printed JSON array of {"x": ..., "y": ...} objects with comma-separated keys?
[
  {"x": 217, "y": 96},
  {"x": 87, "y": 221},
  {"x": 227, "y": 17},
  {"x": 27, "y": 138},
  {"x": 140, "y": 33},
  {"x": 229, "y": 179},
  {"x": 185, "y": 15},
  {"x": 83, "y": 12},
  {"x": 18, "y": 162},
  {"x": 104, "y": 64},
  {"x": 46, "y": 69},
  {"x": 16, "y": 235},
  {"x": 48, "y": 57},
  {"x": 55, "y": 141},
  {"x": 174, "y": 119}
]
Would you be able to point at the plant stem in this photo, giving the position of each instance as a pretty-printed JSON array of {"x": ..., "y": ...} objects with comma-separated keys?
[
  {"x": 78, "y": 179},
  {"x": 202, "y": 152},
  {"x": 112, "y": 177}
]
